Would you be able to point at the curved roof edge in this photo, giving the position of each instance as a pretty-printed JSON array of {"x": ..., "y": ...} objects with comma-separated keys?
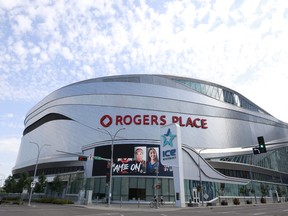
[{"x": 210, "y": 89}]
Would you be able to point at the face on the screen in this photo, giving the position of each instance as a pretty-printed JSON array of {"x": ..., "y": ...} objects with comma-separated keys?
[
  {"x": 139, "y": 155},
  {"x": 152, "y": 154}
]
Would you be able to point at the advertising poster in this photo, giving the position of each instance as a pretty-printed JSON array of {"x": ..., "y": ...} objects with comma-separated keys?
[{"x": 130, "y": 160}]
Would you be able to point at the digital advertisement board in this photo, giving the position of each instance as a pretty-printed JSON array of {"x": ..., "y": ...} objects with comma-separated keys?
[{"x": 130, "y": 159}]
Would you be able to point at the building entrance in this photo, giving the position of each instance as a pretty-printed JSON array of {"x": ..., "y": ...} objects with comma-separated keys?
[
  {"x": 195, "y": 196},
  {"x": 136, "y": 193}
]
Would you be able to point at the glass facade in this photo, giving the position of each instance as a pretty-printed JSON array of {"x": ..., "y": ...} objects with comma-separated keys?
[
  {"x": 271, "y": 160},
  {"x": 131, "y": 188},
  {"x": 141, "y": 189},
  {"x": 221, "y": 94}
]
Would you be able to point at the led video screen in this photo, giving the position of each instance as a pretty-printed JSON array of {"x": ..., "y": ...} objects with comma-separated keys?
[{"x": 129, "y": 159}]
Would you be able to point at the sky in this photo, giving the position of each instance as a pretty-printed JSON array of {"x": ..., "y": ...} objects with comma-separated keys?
[{"x": 47, "y": 44}]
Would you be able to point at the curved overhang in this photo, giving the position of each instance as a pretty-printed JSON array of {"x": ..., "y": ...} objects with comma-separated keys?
[
  {"x": 225, "y": 165},
  {"x": 208, "y": 172}
]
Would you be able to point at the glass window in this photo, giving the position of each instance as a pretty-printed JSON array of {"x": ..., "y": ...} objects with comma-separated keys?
[
  {"x": 236, "y": 100},
  {"x": 198, "y": 87},
  {"x": 204, "y": 89},
  {"x": 150, "y": 191},
  {"x": 229, "y": 97},
  {"x": 221, "y": 95},
  {"x": 167, "y": 188},
  {"x": 117, "y": 187},
  {"x": 141, "y": 182},
  {"x": 102, "y": 186},
  {"x": 124, "y": 194},
  {"x": 215, "y": 93},
  {"x": 193, "y": 85},
  {"x": 133, "y": 182},
  {"x": 124, "y": 186},
  {"x": 210, "y": 90}
]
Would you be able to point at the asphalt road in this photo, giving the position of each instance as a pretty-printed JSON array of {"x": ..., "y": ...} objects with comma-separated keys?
[{"x": 278, "y": 209}]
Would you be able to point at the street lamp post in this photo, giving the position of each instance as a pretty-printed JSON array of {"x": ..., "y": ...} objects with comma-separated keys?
[
  {"x": 111, "y": 161},
  {"x": 200, "y": 178},
  {"x": 2, "y": 178},
  {"x": 156, "y": 186},
  {"x": 36, "y": 166}
]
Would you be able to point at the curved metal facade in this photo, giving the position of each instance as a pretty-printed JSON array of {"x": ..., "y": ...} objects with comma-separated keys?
[{"x": 210, "y": 116}]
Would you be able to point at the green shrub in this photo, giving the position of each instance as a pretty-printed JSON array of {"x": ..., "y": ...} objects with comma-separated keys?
[
  {"x": 62, "y": 201},
  {"x": 224, "y": 202},
  {"x": 54, "y": 201},
  {"x": 248, "y": 202},
  {"x": 5, "y": 201},
  {"x": 44, "y": 200},
  {"x": 236, "y": 201},
  {"x": 17, "y": 203},
  {"x": 10, "y": 198}
]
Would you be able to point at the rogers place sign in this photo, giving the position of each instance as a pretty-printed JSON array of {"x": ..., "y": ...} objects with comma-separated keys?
[{"x": 108, "y": 120}]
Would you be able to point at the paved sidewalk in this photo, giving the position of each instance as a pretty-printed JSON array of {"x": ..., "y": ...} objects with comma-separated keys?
[{"x": 130, "y": 206}]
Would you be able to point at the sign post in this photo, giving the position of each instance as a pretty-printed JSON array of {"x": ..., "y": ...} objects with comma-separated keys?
[{"x": 32, "y": 184}]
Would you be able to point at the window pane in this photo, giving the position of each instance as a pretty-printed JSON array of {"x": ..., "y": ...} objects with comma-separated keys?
[{"x": 133, "y": 182}]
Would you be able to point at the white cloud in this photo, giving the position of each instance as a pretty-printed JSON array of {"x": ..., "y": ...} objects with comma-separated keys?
[
  {"x": 231, "y": 43},
  {"x": 7, "y": 115},
  {"x": 66, "y": 53},
  {"x": 9, "y": 144},
  {"x": 24, "y": 24},
  {"x": 8, "y": 5},
  {"x": 88, "y": 70},
  {"x": 48, "y": 44}
]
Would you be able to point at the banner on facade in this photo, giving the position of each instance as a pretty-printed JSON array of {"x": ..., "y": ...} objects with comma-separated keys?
[{"x": 171, "y": 155}]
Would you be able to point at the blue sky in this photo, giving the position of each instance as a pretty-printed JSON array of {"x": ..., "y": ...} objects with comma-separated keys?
[{"x": 241, "y": 44}]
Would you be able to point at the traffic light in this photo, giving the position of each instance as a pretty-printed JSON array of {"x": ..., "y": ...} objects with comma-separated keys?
[
  {"x": 82, "y": 158},
  {"x": 256, "y": 150},
  {"x": 262, "y": 145}
]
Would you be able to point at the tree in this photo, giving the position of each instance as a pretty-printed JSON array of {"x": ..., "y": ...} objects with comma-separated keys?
[
  {"x": 264, "y": 190},
  {"x": 24, "y": 182},
  {"x": 222, "y": 188},
  {"x": 57, "y": 185},
  {"x": 279, "y": 191},
  {"x": 10, "y": 185},
  {"x": 41, "y": 184},
  {"x": 77, "y": 183},
  {"x": 243, "y": 191}
]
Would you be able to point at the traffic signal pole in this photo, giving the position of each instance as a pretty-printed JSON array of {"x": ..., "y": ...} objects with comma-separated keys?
[
  {"x": 111, "y": 161},
  {"x": 39, "y": 149}
]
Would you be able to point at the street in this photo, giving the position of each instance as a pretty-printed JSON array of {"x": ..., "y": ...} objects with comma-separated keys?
[{"x": 128, "y": 210}]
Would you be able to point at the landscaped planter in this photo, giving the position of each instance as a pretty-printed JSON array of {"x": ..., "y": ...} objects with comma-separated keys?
[
  {"x": 224, "y": 202},
  {"x": 236, "y": 201}
]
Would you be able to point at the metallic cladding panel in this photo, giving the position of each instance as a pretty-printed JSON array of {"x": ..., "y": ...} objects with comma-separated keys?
[{"x": 85, "y": 103}]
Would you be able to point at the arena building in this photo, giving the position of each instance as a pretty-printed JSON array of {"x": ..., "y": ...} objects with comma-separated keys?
[{"x": 126, "y": 115}]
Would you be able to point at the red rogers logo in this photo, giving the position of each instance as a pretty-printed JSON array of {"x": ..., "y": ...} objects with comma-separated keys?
[{"x": 107, "y": 120}]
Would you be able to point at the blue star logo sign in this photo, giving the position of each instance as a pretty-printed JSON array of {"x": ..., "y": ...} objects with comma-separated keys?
[{"x": 168, "y": 138}]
